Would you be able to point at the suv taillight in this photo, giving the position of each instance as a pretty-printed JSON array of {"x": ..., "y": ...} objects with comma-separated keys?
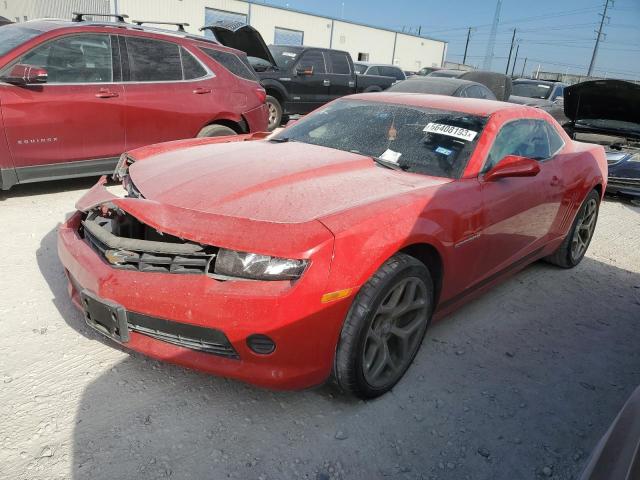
[{"x": 261, "y": 94}]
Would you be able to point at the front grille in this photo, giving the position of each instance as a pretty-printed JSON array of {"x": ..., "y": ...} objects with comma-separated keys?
[
  {"x": 125, "y": 243},
  {"x": 202, "y": 339}
]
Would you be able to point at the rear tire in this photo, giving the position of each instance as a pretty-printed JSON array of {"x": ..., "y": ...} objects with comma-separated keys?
[
  {"x": 572, "y": 250},
  {"x": 216, "y": 131},
  {"x": 275, "y": 112},
  {"x": 384, "y": 328}
]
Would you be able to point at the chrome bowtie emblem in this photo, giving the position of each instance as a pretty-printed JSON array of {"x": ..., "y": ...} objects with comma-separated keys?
[{"x": 117, "y": 257}]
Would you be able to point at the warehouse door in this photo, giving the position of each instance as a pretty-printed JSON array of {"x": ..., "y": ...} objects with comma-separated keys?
[{"x": 213, "y": 16}]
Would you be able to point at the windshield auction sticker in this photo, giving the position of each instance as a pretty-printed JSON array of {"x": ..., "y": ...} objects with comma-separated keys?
[{"x": 451, "y": 131}]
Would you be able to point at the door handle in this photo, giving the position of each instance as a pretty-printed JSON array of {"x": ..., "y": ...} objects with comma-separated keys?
[
  {"x": 201, "y": 90},
  {"x": 352, "y": 83},
  {"x": 104, "y": 93},
  {"x": 326, "y": 83}
]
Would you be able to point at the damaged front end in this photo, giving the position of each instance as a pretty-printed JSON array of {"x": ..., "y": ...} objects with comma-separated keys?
[{"x": 125, "y": 242}]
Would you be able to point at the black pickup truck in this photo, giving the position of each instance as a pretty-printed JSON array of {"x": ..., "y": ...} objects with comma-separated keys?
[{"x": 297, "y": 79}]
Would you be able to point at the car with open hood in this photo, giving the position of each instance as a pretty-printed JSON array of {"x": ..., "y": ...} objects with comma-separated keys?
[
  {"x": 607, "y": 112},
  {"x": 327, "y": 249},
  {"x": 298, "y": 79}
]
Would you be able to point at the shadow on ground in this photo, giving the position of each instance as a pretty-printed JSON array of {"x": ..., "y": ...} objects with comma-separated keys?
[{"x": 526, "y": 377}]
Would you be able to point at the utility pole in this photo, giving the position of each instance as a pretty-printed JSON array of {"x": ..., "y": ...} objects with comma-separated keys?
[
  {"x": 419, "y": 29},
  {"x": 464, "y": 59},
  {"x": 513, "y": 39},
  {"x": 515, "y": 59},
  {"x": 595, "y": 47},
  {"x": 488, "y": 57},
  {"x": 523, "y": 65}
]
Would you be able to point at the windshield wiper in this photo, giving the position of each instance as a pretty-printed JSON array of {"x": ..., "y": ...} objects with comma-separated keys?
[
  {"x": 387, "y": 164},
  {"x": 280, "y": 139}
]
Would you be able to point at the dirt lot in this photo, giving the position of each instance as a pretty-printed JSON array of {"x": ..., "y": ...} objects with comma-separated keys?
[{"x": 519, "y": 384}]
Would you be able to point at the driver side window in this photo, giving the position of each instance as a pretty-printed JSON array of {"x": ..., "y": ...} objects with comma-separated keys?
[
  {"x": 74, "y": 59},
  {"x": 526, "y": 138}
]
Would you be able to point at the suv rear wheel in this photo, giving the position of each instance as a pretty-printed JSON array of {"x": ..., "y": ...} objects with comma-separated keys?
[{"x": 216, "y": 131}]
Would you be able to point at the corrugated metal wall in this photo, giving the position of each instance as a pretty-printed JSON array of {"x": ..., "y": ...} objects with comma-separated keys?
[
  {"x": 32, "y": 9},
  {"x": 382, "y": 46}
]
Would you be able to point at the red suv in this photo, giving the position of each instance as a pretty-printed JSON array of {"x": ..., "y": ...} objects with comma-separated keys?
[{"x": 76, "y": 94}]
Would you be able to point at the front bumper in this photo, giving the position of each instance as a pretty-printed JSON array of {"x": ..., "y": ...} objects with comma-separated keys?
[
  {"x": 628, "y": 187},
  {"x": 304, "y": 329}
]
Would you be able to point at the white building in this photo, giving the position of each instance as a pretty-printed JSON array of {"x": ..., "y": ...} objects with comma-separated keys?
[{"x": 276, "y": 24}]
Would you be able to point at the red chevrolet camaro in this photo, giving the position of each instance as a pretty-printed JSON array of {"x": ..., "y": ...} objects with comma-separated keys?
[{"x": 326, "y": 250}]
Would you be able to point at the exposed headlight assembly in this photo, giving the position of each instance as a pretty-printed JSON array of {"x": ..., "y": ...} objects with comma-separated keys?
[
  {"x": 230, "y": 263},
  {"x": 122, "y": 167}
]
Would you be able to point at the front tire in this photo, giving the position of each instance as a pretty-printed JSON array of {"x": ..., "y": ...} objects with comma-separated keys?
[
  {"x": 384, "y": 328},
  {"x": 572, "y": 250}
]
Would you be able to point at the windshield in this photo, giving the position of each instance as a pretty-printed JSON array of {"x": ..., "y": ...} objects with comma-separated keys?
[
  {"x": 12, "y": 36},
  {"x": 413, "y": 139},
  {"x": 359, "y": 68},
  {"x": 531, "y": 90},
  {"x": 284, "y": 56}
]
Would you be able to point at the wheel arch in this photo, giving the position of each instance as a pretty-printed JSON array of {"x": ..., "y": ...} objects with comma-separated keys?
[
  {"x": 275, "y": 90},
  {"x": 432, "y": 259},
  {"x": 239, "y": 126}
]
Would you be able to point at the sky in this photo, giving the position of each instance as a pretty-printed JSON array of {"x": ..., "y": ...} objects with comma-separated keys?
[{"x": 557, "y": 34}]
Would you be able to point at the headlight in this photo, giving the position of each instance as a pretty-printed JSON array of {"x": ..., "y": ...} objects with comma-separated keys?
[
  {"x": 122, "y": 167},
  {"x": 254, "y": 266}
]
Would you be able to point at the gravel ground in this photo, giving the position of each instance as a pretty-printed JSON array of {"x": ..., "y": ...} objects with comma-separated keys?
[{"x": 519, "y": 384}]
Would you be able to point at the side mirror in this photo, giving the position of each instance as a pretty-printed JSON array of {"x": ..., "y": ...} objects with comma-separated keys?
[
  {"x": 25, "y": 75},
  {"x": 513, "y": 166},
  {"x": 304, "y": 70}
]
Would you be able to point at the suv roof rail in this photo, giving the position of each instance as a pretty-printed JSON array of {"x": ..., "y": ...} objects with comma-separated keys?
[
  {"x": 79, "y": 16},
  {"x": 180, "y": 25}
]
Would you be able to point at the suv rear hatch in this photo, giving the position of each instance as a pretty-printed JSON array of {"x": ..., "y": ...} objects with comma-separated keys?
[{"x": 242, "y": 37}]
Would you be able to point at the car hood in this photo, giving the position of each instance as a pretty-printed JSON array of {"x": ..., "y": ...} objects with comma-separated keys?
[
  {"x": 242, "y": 37},
  {"x": 272, "y": 182},
  {"x": 614, "y": 100}
]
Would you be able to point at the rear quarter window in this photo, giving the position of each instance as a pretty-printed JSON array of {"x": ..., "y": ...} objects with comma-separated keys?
[
  {"x": 153, "y": 60},
  {"x": 232, "y": 62}
]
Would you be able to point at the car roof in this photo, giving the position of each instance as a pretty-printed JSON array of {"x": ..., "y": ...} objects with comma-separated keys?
[
  {"x": 533, "y": 80},
  {"x": 473, "y": 106},
  {"x": 436, "y": 85},
  {"x": 372, "y": 64}
]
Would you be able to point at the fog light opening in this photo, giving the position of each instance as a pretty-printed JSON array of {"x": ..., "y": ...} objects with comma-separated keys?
[{"x": 261, "y": 344}]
